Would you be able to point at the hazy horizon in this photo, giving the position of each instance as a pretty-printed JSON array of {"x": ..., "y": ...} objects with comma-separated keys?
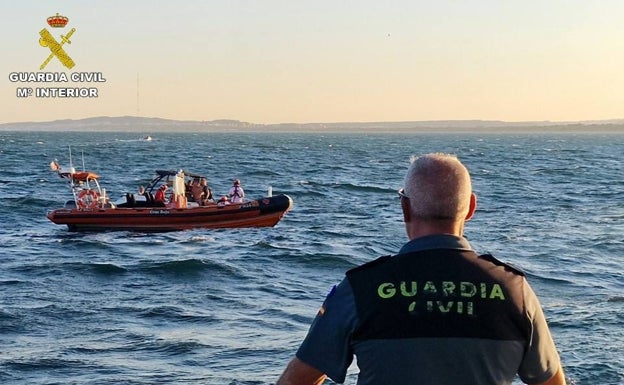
[{"x": 159, "y": 125}]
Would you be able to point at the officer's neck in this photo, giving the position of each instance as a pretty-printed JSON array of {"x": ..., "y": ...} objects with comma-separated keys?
[{"x": 416, "y": 228}]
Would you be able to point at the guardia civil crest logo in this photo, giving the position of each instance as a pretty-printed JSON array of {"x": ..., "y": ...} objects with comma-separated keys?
[{"x": 55, "y": 46}]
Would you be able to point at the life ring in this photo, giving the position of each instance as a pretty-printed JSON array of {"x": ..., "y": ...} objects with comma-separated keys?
[{"x": 87, "y": 199}]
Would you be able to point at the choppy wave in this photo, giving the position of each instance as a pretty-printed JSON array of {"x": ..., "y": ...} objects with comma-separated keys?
[{"x": 190, "y": 267}]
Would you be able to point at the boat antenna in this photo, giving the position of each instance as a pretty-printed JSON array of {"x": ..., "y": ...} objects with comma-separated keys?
[
  {"x": 83, "y": 163},
  {"x": 71, "y": 164}
]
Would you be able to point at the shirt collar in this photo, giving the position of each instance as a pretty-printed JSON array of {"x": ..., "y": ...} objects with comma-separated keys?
[{"x": 437, "y": 241}]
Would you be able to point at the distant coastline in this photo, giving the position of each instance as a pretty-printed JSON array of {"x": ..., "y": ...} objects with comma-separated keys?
[{"x": 155, "y": 125}]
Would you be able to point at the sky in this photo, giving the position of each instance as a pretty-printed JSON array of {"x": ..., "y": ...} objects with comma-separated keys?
[{"x": 289, "y": 61}]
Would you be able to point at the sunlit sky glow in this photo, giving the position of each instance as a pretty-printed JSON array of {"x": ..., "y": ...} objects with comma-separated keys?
[{"x": 270, "y": 61}]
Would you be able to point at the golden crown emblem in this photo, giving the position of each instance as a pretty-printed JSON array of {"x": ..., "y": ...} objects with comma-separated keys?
[{"x": 58, "y": 21}]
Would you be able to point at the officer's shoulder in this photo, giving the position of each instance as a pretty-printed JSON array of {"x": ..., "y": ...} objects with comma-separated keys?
[
  {"x": 370, "y": 265},
  {"x": 508, "y": 266}
]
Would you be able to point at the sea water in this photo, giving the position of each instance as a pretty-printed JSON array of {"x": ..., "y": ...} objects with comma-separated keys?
[{"x": 231, "y": 306}]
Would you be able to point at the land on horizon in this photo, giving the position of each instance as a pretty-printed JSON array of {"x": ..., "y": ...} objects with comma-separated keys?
[{"x": 153, "y": 125}]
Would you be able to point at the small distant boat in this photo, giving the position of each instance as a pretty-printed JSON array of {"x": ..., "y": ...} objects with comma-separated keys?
[
  {"x": 91, "y": 209},
  {"x": 147, "y": 138}
]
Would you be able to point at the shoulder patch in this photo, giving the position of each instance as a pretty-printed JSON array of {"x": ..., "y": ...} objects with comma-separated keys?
[
  {"x": 507, "y": 266},
  {"x": 323, "y": 308}
]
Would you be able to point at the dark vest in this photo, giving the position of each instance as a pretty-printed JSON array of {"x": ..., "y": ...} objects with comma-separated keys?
[{"x": 439, "y": 293}]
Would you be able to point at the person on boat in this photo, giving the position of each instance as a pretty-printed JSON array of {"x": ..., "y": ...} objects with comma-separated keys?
[
  {"x": 223, "y": 201},
  {"x": 161, "y": 194},
  {"x": 146, "y": 197},
  {"x": 236, "y": 193},
  {"x": 187, "y": 190},
  {"x": 206, "y": 192},
  {"x": 196, "y": 191},
  {"x": 142, "y": 192},
  {"x": 435, "y": 313}
]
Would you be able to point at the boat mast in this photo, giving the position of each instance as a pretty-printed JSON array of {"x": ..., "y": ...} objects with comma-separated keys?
[{"x": 71, "y": 163}]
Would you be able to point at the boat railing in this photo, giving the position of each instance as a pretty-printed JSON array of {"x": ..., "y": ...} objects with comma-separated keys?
[{"x": 88, "y": 193}]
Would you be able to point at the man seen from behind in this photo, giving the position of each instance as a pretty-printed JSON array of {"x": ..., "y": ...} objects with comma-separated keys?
[{"x": 436, "y": 313}]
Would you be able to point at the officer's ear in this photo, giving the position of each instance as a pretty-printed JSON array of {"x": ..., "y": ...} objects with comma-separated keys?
[
  {"x": 472, "y": 207},
  {"x": 406, "y": 209}
]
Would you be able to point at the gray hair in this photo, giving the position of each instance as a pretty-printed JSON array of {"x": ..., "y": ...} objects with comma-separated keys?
[{"x": 438, "y": 186}]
